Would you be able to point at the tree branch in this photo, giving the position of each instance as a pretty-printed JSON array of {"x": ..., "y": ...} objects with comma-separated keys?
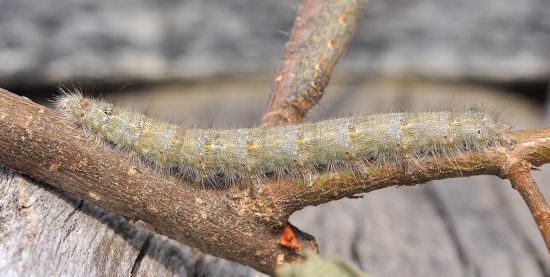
[
  {"x": 36, "y": 141},
  {"x": 320, "y": 35},
  {"x": 532, "y": 146},
  {"x": 520, "y": 176}
]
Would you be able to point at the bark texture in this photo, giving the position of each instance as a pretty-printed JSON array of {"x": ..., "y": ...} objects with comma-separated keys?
[{"x": 321, "y": 33}]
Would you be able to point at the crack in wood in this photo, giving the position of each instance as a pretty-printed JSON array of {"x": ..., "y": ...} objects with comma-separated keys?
[
  {"x": 142, "y": 251},
  {"x": 75, "y": 210},
  {"x": 441, "y": 211}
]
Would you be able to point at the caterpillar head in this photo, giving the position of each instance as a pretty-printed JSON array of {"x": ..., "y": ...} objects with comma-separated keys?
[{"x": 83, "y": 111}]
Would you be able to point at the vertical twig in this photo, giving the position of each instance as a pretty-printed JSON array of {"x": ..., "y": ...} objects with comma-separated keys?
[
  {"x": 319, "y": 37},
  {"x": 520, "y": 176}
]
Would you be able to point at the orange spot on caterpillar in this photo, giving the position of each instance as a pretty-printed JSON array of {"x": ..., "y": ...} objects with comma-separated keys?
[
  {"x": 404, "y": 126},
  {"x": 288, "y": 238},
  {"x": 352, "y": 132},
  {"x": 469, "y": 120},
  {"x": 341, "y": 19},
  {"x": 250, "y": 145},
  {"x": 146, "y": 131},
  {"x": 84, "y": 104},
  {"x": 329, "y": 43},
  {"x": 300, "y": 139},
  {"x": 452, "y": 122},
  {"x": 208, "y": 146}
]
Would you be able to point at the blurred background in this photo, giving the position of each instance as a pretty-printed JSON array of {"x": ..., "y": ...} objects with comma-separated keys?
[{"x": 211, "y": 63}]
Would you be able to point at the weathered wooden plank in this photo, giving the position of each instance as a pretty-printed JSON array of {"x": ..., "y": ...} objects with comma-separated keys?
[
  {"x": 388, "y": 233},
  {"x": 47, "y": 41},
  {"x": 47, "y": 232},
  {"x": 44, "y": 232},
  {"x": 483, "y": 232}
]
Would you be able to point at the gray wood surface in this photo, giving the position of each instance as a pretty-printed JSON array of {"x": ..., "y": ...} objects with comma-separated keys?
[
  {"x": 44, "y": 232},
  {"x": 459, "y": 227},
  {"x": 47, "y": 41}
]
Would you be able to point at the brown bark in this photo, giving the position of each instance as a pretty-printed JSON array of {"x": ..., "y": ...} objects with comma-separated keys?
[
  {"x": 521, "y": 179},
  {"x": 320, "y": 35}
]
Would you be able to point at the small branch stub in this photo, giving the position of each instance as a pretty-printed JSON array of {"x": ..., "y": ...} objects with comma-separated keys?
[{"x": 319, "y": 37}]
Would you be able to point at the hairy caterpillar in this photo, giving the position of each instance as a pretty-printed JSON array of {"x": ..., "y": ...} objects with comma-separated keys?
[{"x": 222, "y": 157}]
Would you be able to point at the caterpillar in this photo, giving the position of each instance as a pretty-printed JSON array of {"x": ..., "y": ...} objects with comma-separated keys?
[{"x": 248, "y": 155}]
